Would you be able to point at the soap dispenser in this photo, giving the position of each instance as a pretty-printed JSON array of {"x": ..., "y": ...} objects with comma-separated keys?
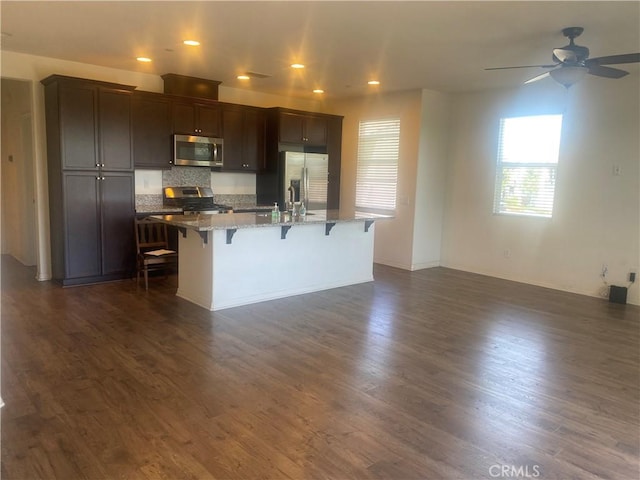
[{"x": 275, "y": 213}]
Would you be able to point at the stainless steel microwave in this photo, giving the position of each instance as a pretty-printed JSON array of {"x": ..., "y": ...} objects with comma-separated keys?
[{"x": 198, "y": 151}]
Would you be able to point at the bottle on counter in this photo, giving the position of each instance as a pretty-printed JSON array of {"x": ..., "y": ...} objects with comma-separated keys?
[
  {"x": 275, "y": 213},
  {"x": 303, "y": 210}
]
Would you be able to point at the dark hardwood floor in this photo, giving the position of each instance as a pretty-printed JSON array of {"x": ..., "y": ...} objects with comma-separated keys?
[{"x": 434, "y": 374}]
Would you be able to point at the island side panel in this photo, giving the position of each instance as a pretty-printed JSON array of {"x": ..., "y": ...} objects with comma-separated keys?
[
  {"x": 258, "y": 265},
  {"x": 195, "y": 269}
]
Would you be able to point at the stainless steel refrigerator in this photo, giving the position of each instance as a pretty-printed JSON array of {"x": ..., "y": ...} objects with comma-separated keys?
[{"x": 306, "y": 173}]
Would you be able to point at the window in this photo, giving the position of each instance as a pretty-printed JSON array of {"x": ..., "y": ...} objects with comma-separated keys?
[
  {"x": 526, "y": 169},
  {"x": 377, "y": 171}
]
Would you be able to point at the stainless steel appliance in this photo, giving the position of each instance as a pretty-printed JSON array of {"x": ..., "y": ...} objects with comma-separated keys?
[
  {"x": 197, "y": 151},
  {"x": 193, "y": 200},
  {"x": 299, "y": 177}
]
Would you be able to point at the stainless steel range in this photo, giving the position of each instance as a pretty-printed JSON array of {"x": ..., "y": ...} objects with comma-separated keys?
[{"x": 193, "y": 200}]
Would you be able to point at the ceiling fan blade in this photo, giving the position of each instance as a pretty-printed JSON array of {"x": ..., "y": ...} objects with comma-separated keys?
[
  {"x": 614, "y": 59},
  {"x": 537, "y": 77},
  {"x": 607, "y": 72},
  {"x": 565, "y": 56},
  {"x": 523, "y": 66}
]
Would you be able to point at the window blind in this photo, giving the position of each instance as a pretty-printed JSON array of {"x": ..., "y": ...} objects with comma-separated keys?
[
  {"x": 528, "y": 149},
  {"x": 377, "y": 169}
]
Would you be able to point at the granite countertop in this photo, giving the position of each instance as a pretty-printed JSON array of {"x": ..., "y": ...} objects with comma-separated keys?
[
  {"x": 157, "y": 208},
  {"x": 203, "y": 222},
  {"x": 252, "y": 206},
  {"x": 161, "y": 208}
]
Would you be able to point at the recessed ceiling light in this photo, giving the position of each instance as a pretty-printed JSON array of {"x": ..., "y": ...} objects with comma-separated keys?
[
  {"x": 192, "y": 43},
  {"x": 318, "y": 90},
  {"x": 243, "y": 77},
  {"x": 143, "y": 59},
  {"x": 373, "y": 82},
  {"x": 297, "y": 65}
]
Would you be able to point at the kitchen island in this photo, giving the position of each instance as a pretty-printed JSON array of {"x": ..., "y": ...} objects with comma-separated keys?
[{"x": 236, "y": 259}]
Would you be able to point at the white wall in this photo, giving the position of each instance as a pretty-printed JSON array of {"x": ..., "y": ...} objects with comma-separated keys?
[
  {"x": 596, "y": 217},
  {"x": 394, "y": 238},
  {"x": 411, "y": 240},
  {"x": 431, "y": 179}
]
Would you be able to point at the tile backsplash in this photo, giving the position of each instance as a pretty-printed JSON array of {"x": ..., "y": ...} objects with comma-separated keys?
[{"x": 186, "y": 176}]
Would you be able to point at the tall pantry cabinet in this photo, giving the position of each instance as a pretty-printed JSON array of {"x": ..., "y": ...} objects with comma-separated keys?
[{"x": 91, "y": 179}]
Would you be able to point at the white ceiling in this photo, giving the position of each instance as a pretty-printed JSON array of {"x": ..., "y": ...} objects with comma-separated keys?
[{"x": 442, "y": 46}]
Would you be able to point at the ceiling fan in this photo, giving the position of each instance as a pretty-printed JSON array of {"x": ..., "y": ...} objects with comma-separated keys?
[{"x": 572, "y": 62}]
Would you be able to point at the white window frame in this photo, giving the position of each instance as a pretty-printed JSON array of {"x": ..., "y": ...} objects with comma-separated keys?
[
  {"x": 377, "y": 165},
  {"x": 529, "y": 190}
]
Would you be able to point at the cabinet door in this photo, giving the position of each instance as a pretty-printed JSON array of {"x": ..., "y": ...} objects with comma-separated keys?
[
  {"x": 291, "y": 128},
  {"x": 115, "y": 130},
  {"x": 208, "y": 120},
  {"x": 232, "y": 120},
  {"x": 81, "y": 224},
  {"x": 334, "y": 149},
  {"x": 254, "y": 139},
  {"x": 315, "y": 131},
  {"x": 117, "y": 214},
  {"x": 78, "y": 106},
  {"x": 244, "y": 139},
  {"x": 151, "y": 131},
  {"x": 184, "y": 118}
]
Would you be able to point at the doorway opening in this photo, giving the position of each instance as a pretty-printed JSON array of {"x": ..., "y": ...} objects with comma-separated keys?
[{"x": 17, "y": 194}]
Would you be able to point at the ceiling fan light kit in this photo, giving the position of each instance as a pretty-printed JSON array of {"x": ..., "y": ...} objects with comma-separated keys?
[
  {"x": 572, "y": 62},
  {"x": 568, "y": 75}
]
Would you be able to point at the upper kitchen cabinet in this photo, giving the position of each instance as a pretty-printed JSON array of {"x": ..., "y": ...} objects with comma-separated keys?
[
  {"x": 151, "y": 114},
  {"x": 194, "y": 118},
  {"x": 298, "y": 131},
  {"x": 301, "y": 128},
  {"x": 114, "y": 125},
  {"x": 90, "y": 124},
  {"x": 244, "y": 138}
]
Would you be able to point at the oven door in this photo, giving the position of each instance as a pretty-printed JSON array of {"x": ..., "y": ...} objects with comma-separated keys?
[{"x": 206, "y": 211}]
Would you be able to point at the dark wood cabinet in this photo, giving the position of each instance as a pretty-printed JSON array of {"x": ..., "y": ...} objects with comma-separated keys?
[
  {"x": 114, "y": 126},
  {"x": 151, "y": 127},
  {"x": 91, "y": 179},
  {"x": 299, "y": 128},
  {"x": 244, "y": 138},
  {"x": 94, "y": 127},
  {"x": 334, "y": 149},
  {"x": 99, "y": 212},
  {"x": 77, "y": 105},
  {"x": 117, "y": 211},
  {"x": 191, "y": 118},
  {"x": 299, "y": 131}
]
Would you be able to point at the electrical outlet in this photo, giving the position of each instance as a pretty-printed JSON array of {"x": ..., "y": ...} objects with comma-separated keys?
[
  {"x": 632, "y": 277},
  {"x": 605, "y": 269}
]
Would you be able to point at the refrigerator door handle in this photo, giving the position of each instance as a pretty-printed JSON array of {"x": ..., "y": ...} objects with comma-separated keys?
[{"x": 305, "y": 187}]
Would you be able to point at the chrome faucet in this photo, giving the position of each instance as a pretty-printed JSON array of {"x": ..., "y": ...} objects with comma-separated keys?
[{"x": 292, "y": 197}]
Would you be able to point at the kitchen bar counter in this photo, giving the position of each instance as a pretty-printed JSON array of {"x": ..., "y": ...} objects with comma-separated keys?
[
  {"x": 235, "y": 259},
  {"x": 204, "y": 222}
]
